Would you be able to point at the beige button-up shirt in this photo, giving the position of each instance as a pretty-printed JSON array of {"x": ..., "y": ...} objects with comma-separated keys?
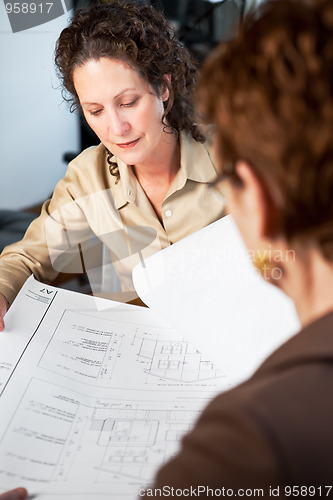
[{"x": 93, "y": 224}]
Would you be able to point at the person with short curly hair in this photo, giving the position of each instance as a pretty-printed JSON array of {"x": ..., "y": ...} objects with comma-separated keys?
[
  {"x": 270, "y": 93},
  {"x": 146, "y": 185}
]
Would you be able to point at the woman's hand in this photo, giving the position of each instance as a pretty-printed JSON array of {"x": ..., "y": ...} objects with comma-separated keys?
[
  {"x": 17, "y": 494},
  {"x": 4, "y": 305}
]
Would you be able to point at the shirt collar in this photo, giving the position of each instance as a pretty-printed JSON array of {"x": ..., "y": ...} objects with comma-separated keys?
[
  {"x": 196, "y": 160},
  {"x": 125, "y": 189},
  {"x": 196, "y": 165}
]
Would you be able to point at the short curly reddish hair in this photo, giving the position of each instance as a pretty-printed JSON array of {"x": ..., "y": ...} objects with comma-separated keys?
[
  {"x": 141, "y": 37},
  {"x": 270, "y": 92}
]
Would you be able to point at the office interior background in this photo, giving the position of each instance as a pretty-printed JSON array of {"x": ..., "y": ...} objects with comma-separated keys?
[{"x": 38, "y": 133}]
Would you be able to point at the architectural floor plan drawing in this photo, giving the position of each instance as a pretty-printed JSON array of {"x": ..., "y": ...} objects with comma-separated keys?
[
  {"x": 176, "y": 361},
  {"x": 93, "y": 399},
  {"x": 57, "y": 433},
  {"x": 98, "y": 351}
]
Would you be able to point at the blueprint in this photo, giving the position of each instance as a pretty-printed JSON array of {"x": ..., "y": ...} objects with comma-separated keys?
[{"x": 95, "y": 394}]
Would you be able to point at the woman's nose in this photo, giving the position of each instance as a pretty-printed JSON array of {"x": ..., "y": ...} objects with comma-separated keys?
[{"x": 118, "y": 125}]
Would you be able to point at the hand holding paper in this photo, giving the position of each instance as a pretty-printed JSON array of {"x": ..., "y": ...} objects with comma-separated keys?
[
  {"x": 17, "y": 494},
  {"x": 3, "y": 309}
]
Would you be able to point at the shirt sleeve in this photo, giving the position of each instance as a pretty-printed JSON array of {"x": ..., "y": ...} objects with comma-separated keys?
[{"x": 51, "y": 243}]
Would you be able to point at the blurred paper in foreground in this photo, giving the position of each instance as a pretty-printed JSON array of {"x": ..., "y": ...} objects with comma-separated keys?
[{"x": 206, "y": 287}]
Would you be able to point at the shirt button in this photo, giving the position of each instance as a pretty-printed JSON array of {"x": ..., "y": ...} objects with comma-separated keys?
[
  {"x": 168, "y": 213},
  {"x": 131, "y": 194}
]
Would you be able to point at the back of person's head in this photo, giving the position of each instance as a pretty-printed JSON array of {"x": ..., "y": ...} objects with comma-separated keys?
[
  {"x": 140, "y": 36},
  {"x": 270, "y": 92}
]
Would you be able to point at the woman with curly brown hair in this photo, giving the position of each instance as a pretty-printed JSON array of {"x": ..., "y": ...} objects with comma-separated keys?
[{"x": 146, "y": 185}]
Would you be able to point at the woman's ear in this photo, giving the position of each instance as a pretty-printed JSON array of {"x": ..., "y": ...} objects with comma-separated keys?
[
  {"x": 251, "y": 206},
  {"x": 166, "y": 93},
  {"x": 258, "y": 200}
]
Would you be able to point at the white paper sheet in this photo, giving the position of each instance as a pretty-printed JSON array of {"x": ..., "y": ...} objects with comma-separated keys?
[
  {"x": 95, "y": 394},
  {"x": 206, "y": 288}
]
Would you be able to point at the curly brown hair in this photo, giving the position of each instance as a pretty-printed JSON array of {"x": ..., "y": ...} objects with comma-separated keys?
[
  {"x": 270, "y": 93},
  {"x": 141, "y": 37}
]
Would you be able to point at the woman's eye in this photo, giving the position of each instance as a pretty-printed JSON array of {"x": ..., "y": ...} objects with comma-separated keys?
[
  {"x": 95, "y": 113},
  {"x": 129, "y": 104}
]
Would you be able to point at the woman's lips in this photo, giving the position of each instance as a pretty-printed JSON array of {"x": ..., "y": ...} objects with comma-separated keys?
[{"x": 126, "y": 145}]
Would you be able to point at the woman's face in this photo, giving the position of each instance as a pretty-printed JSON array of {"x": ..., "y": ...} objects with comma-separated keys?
[{"x": 122, "y": 110}]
